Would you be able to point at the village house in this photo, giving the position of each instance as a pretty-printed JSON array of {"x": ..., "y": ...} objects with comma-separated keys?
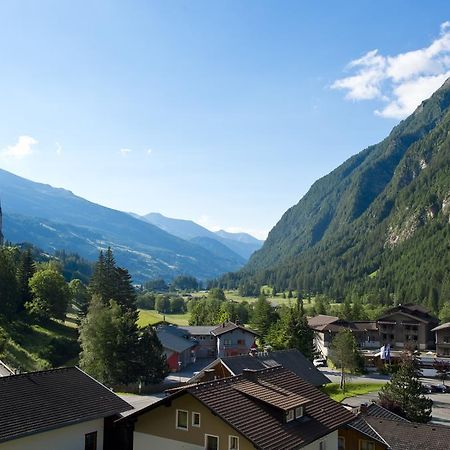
[
  {"x": 376, "y": 428},
  {"x": 407, "y": 325},
  {"x": 184, "y": 344},
  {"x": 326, "y": 327},
  {"x": 292, "y": 360},
  {"x": 206, "y": 342},
  {"x": 442, "y": 339},
  {"x": 178, "y": 346},
  {"x": 56, "y": 409},
  {"x": 233, "y": 339},
  {"x": 268, "y": 409}
]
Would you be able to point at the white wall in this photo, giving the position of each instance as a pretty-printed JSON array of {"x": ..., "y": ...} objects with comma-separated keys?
[
  {"x": 66, "y": 438},
  {"x": 330, "y": 440},
  {"x": 143, "y": 441}
]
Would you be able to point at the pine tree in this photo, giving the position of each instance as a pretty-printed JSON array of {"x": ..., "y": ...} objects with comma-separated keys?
[
  {"x": 25, "y": 271},
  {"x": 109, "y": 341},
  {"x": 403, "y": 394},
  {"x": 263, "y": 315},
  {"x": 8, "y": 283},
  {"x": 151, "y": 361},
  {"x": 344, "y": 354},
  {"x": 299, "y": 335}
]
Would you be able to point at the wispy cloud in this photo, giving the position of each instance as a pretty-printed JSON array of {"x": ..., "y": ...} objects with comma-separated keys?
[
  {"x": 149, "y": 151},
  {"x": 125, "y": 151},
  {"x": 401, "y": 81},
  {"x": 21, "y": 149},
  {"x": 58, "y": 148}
]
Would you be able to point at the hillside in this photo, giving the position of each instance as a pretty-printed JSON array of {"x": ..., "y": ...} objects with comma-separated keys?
[
  {"x": 379, "y": 223},
  {"x": 55, "y": 219},
  {"x": 242, "y": 245}
]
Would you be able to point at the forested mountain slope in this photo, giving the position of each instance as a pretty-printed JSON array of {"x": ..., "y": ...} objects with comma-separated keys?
[{"x": 379, "y": 223}]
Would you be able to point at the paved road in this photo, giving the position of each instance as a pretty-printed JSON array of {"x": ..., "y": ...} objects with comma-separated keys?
[{"x": 441, "y": 402}]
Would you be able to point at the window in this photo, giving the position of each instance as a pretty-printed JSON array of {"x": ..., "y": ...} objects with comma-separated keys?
[
  {"x": 182, "y": 419},
  {"x": 366, "y": 445},
  {"x": 196, "y": 419},
  {"x": 241, "y": 342},
  {"x": 227, "y": 342},
  {"x": 341, "y": 443},
  {"x": 90, "y": 441},
  {"x": 233, "y": 443},
  {"x": 211, "y": 442},
  {"x": 299, "y": 412},
  {"x": 289, "y": 415}
]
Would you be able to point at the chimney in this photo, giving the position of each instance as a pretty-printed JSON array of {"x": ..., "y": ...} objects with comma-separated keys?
[
  {"x": 363, "y": 408},
  {"x": 250, "y": 374},
  {"x": 208, "y": 375}
]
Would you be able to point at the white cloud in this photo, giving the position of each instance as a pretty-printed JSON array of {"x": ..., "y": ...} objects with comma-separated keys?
[
  {"x": 58, "y": 148},
  {"x": 403, "y": 80},
  {"x": 125, "y": 151},
  {"x": 149, "y": 151},
  {"x": 21, "y": 149}
]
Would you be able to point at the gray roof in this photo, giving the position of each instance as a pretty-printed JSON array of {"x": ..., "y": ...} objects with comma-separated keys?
[
  {"x": 174, "y": 341},
  {"x": 362, "y": 426},
  {"x": 292, "y": 360},
  {"x": 442, "y": 327},
  {"x": 226, "y": 327},
  {"x": 197, "y": 330},
  {"x": 40, "y": 401},
  {"x": 411, "y": 436},
  {"x": 5, "y": 370}
]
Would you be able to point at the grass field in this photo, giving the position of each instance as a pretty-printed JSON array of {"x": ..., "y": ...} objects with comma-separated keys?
[
  {"x": 150, "y": 317},
  {"x": 351, "y": 390},
  {"x": 35, "y": 347}
]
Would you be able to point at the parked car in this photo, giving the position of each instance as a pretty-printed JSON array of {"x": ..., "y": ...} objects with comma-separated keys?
[
  {"x": 442, "y": 388},
  {"x": 320, "y": 362}
]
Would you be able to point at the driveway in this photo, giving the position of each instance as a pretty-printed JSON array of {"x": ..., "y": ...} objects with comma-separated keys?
[{"x": 188, "y": 372}]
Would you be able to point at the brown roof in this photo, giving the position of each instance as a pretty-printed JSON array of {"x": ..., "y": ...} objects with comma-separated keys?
[
  {"x": 230, "y": 326},
  {"x": 39, "y": 401},
  {"x": 417, "y": 311},
  {"x": 261, "y": 423},
  {"x": 272, "y": 395},
  {"x": 366, "y": 325},
  {"x": 321, "y": 321},
  {"x": 411, "y": 436}
]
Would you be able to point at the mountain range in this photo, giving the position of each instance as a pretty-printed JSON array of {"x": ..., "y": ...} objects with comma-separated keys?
[
  {"x": 56, "y": 219},
  {"x": 378, "y": 224}
]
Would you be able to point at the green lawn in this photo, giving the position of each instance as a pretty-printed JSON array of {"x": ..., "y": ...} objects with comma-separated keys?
[
  {"x": 351, "y": 390},
  {"x": 35, "y": 347},
  {"x": 150, "y": 317}
]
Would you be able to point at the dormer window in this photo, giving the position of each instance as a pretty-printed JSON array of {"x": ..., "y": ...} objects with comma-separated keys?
[
  {"x": 290, "y": 415},
  {"x": 299, "y": 412}
]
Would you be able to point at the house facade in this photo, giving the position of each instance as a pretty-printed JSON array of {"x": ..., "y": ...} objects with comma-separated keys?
[
  {"x": 407, "y": 325},
  {"x": 442, "y": 339},
  {"x": 233, "y": 339},
  {"x": 206, "y": 342},
  {"x": 57, "y": 409},
  {"x": 178, "y": 345},
  {"x": 268, "y": 409}
]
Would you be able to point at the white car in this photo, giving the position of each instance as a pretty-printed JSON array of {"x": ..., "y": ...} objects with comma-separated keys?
[{"x": 320, "y": 362}]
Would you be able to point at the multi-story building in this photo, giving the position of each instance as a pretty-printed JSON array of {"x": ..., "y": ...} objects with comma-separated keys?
[
  {"x": 407, "y": 325},
  {"x": 442, "y": 339}
]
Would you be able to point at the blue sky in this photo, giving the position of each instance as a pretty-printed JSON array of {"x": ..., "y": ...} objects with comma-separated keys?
[{"x": 224, "y": 112}]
